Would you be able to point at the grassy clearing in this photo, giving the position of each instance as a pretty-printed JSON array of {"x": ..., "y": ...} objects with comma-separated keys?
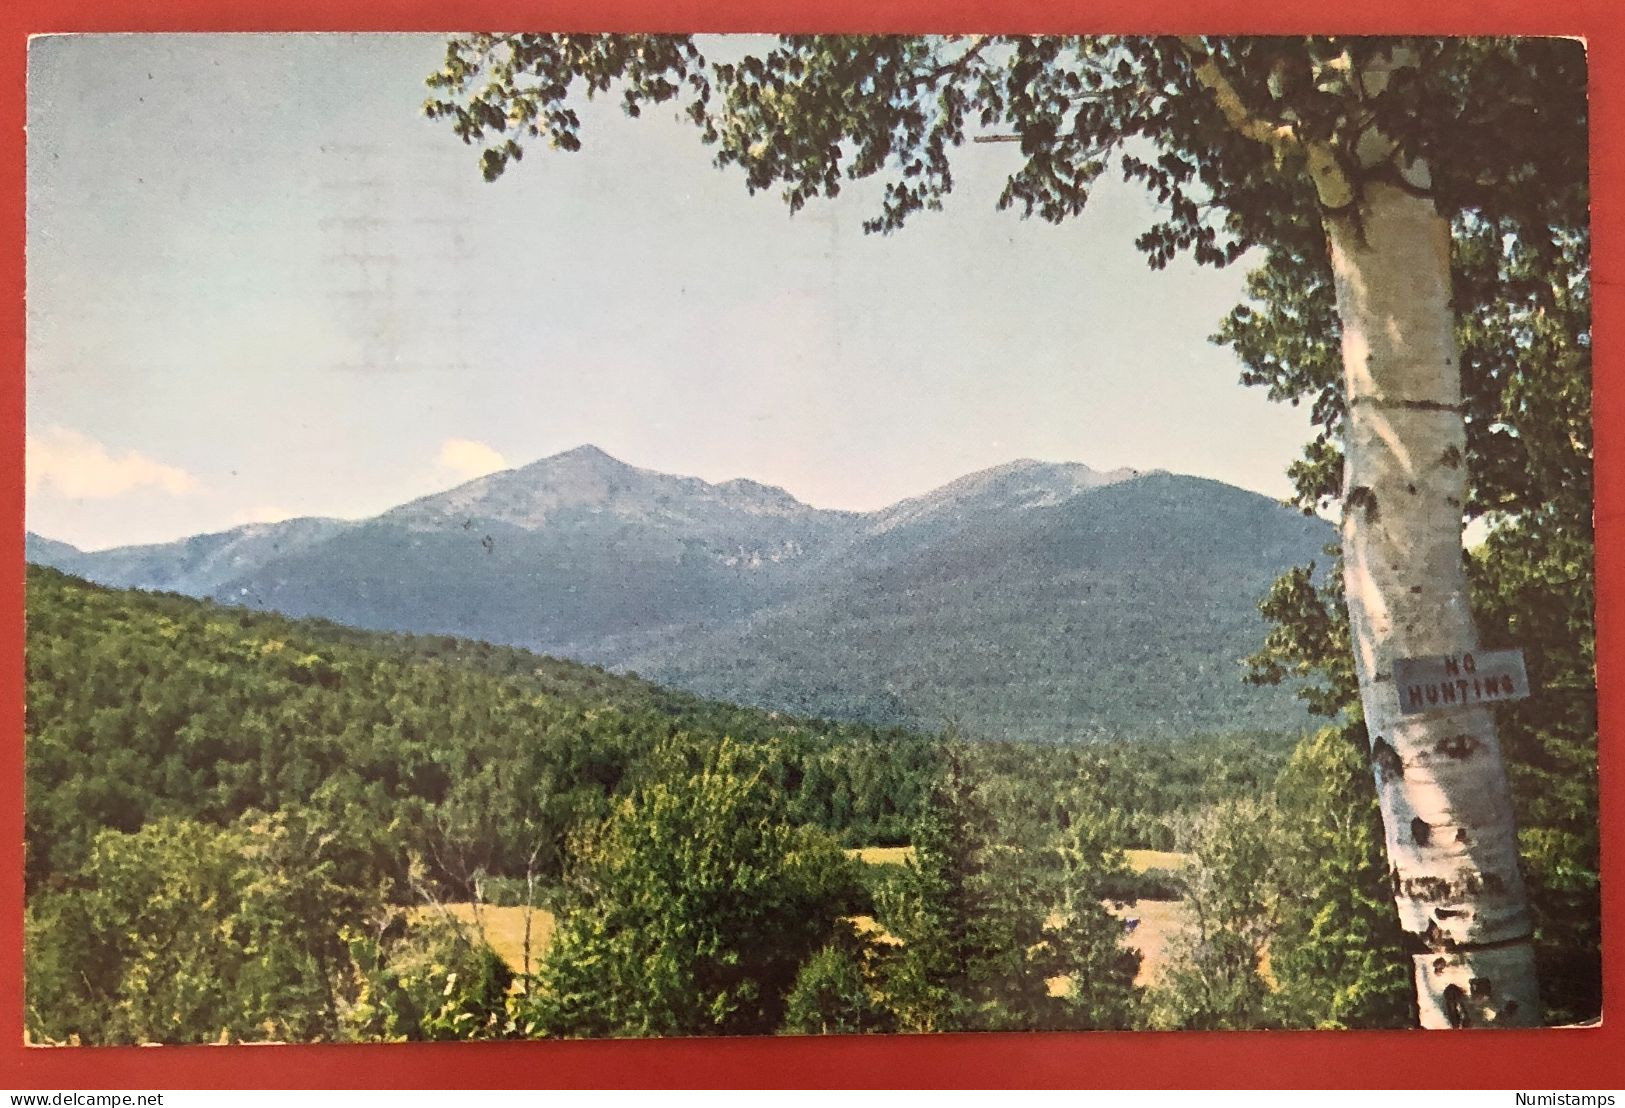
[
  {"x": 882, "y": 855},
  {"x": 504, "y": 930},
  {"x": 1142, "y": 860},
  {"x": 1138, "y": 860},
  {"x": 868, "y": 925},
  {"x": 1160, "y": 921}
]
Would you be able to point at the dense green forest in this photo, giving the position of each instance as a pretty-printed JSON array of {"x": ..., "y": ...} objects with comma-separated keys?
[{"x": 235, "y": 822}]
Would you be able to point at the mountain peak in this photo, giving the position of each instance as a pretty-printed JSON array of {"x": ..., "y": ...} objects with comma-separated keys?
[
  {"x": 1023, "y": 483},
  {"x": 586, "y": 452},
  {"x": 580, "y": 460},
  {"x": 744, "y": 493},
  {"x": 586, "y": 482}
]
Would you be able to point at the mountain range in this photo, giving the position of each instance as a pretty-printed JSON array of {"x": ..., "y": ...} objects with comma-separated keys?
[{"x": 1033, "y": 600}]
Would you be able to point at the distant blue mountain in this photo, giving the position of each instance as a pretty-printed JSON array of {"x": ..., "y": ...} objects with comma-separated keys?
[{"x": 1032, "y": 600}]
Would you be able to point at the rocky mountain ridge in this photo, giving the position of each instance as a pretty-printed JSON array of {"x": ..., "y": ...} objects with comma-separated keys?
[{"x": 1033, "y": 599}]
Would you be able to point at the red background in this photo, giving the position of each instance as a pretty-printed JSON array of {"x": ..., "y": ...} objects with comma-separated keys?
[{"x": 1575, "y": 1059}]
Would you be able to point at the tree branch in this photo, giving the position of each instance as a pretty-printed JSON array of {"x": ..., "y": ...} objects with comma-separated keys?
[
  {"x": 1277, "y": 136},
  {"x": 956, "y": 67},
  {"x": 1332, "y": 184}
]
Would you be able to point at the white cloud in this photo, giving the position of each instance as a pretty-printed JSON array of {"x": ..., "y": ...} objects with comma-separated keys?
[
  {"x": 77, "y": 466},
  {"x": 469, "y": 459}
]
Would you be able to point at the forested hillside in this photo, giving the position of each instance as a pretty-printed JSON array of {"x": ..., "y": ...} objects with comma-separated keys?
[
  {"x": 1123, "y": 611},
  {"x": 244, "y": 827},
  {"x": 308, "y": 782},
  {"x": 144, "y": 705}
]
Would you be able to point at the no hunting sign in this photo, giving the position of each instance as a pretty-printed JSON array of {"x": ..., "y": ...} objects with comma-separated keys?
[{"x": 1448, "y": 681}]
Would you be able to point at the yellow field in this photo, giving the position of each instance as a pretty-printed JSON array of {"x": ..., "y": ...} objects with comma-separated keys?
[
  {"x": 504, "y": 930},
  {"x": 1138, "y": 860},
  {"x": 1141, "y": 860},
  {"x": 868, "y": 925},
  {"x": 882, "y": 855},
  {"x": 1160, "y": 921}
]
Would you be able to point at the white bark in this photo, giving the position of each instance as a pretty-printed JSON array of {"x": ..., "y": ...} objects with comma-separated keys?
[{"x": 1440, "y": 778}]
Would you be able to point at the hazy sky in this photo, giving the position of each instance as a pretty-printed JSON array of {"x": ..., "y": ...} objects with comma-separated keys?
[{"x": 262, "y": 285}]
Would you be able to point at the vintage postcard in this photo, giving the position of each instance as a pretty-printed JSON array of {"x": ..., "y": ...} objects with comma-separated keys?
[{"x": 554, "y": 536}]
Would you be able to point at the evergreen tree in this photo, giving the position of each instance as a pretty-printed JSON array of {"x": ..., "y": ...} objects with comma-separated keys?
[
  {"x": 999, "y": 929},
  {"x": 943, "y": 913},
  {"x": 1098, "y": 967}
]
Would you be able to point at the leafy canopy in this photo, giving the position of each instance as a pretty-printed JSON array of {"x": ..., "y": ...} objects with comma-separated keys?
[{"x": 814, "y": 111}]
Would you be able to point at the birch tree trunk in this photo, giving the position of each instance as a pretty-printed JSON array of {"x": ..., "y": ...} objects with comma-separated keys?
[{"x": 1442, "y": 785}]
